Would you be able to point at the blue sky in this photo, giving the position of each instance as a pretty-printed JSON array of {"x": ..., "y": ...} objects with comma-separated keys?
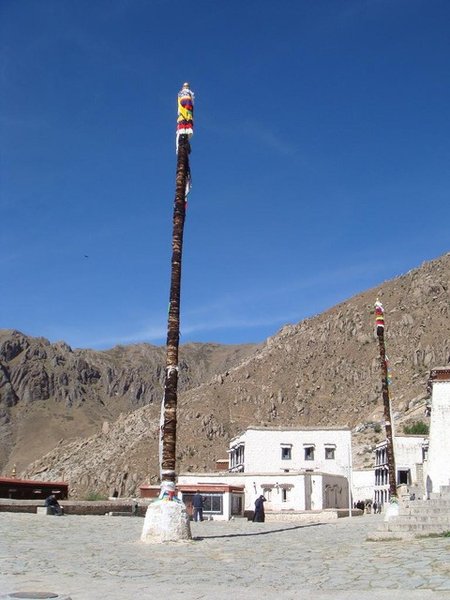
[{"x": 320, "y": 160}]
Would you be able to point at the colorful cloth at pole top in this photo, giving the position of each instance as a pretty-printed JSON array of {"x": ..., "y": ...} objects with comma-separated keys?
[
  {"x": 185, "y": 121},
  {"x": 379, "y": 315}
]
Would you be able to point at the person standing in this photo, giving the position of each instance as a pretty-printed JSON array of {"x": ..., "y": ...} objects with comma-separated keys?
[
  {"x": 197, "y": 503},
  {"x": 259, "y": 516}
]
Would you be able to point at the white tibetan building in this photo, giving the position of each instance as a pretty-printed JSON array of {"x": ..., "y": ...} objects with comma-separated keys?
[
  {"x": 438, "y": 471},
  {"x": 410, "y": 452},
  {"x": 295, "y": 469}
]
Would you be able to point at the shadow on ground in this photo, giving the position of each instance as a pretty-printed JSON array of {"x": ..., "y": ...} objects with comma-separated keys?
[{"x": 199, "y": 538}]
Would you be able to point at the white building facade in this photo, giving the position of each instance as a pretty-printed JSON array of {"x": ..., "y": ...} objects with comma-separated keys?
[
  {"x": 363, "y": 485},
  {"x": 422, "y": 462},
  {"x": 410, "y": 453},
  {"x": 295, "y": 469},
  {"x": 438, "y": 472},
  {"x": 260, "y": 449}
]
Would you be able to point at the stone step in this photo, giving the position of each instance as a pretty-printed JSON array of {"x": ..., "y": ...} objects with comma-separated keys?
[
  {"x": 416, "y": 528},
  {"x": 425, "y": 510},
  {"x": 439, "y": 496},
  {"x": 404, "y": 521},
  {"x": 431, "y": 502},
  {"x": 408, "y": 521},
  {"x": 425, "y": 516},
  {"x": 422, "y": 517}
]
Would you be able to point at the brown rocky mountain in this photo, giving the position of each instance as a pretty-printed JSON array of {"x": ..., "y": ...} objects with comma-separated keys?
[
  {"x": 49, "y": 392},
  {"x": 322, "y": 371}
]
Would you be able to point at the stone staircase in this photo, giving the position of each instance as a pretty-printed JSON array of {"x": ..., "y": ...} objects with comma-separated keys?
[{"x": 422, "y": 517}]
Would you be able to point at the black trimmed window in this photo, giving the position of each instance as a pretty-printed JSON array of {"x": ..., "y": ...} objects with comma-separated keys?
[
  {"x": 286, "y": 453},
  {"x": 309, "y": 452},
  {"x": 330, "y": 452},
  {"x": 212, "y": 502},
  {"x": 403, "y": 477}
]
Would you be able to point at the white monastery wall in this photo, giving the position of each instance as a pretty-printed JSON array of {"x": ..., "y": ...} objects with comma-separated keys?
[
  {"x": 295, "y": 469},
  {"x": 263, "y": 450},
  {"x": 283, "y": 492},
  {"x": 408, "y": 451},
  {"x": 362, "y": 484},
  {"x": 439, "y": 450},
  {"x": 334, "y": 491}
]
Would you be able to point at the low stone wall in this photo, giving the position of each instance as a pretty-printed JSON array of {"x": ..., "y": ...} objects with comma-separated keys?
[
  {"x": 319, "y": 516},
  {"x": 312, "y": 516},
  {"x": 125, "y": 506}
]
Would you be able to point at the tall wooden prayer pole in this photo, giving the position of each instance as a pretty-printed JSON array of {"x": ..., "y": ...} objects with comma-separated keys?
[
  {"x": 169, "y": 404},
  {"x": 379, "y": 323}
]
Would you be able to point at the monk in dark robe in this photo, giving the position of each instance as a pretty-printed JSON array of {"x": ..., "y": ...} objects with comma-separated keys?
[{"x": 259, "y": 516}]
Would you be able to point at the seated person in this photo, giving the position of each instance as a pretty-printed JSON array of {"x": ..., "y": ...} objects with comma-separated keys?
[{"x": 53, "y": 505}]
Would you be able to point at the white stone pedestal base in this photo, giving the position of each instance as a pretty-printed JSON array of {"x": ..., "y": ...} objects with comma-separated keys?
[
  {"x": 392, "y": 511},
  {"x": 166, "y": 521}
]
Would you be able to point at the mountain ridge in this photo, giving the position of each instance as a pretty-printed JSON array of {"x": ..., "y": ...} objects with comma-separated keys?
[{"x": 322, "y": 371}]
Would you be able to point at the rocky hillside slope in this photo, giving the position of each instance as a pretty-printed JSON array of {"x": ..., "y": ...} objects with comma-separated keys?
[
  {"x": 322, "y": 371},
  {"x": 50, "y": 393}
]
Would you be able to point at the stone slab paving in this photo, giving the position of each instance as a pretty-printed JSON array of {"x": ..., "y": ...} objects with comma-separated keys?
[{"x": 102, "y": 558}]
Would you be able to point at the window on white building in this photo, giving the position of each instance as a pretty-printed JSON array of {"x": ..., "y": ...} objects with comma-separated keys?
[
  {"x": 330, "y": 452},
  {"x": 286, "y": 452},
  {"x": 236, "y": 459},
  {"x": 403, "y": 476},
  {"x": 213, "y": 503},
  {"x": 309, "y": 452},
  {"x": 284, "y": 495}
]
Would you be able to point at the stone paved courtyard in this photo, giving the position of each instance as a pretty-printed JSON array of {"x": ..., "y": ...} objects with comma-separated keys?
[{"x": 100, "y": 558}]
